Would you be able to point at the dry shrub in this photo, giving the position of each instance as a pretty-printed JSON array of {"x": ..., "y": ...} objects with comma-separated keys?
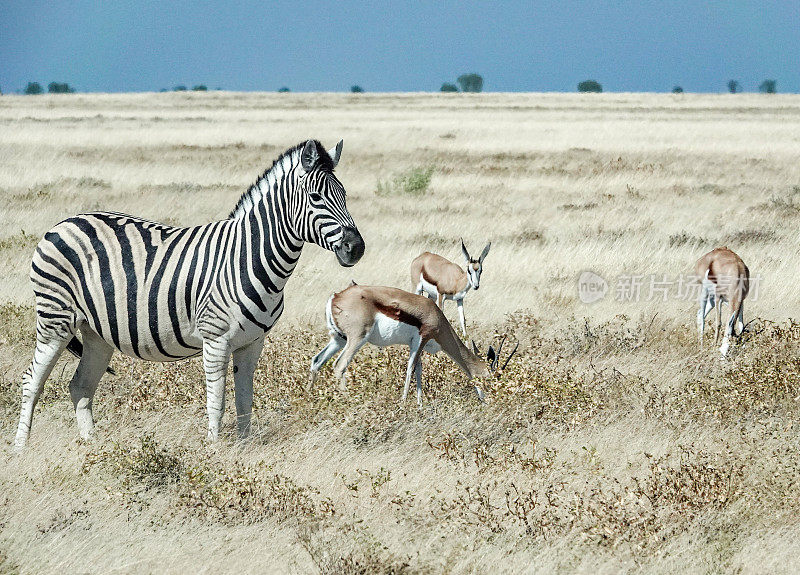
[
  {"x": 765, "y": 377},
  {"x": 698, "y": 480},
  {"x": 243, "y": 493},
  {"x": 206, "y": 485},
  {"x": 644, "y": 511},
  {"x": 148, "y": 464}
]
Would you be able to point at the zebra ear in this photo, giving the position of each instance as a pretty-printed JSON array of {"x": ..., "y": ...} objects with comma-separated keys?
[
  {"x": 309, "y": 156},
  {"x": 336, "y": 153}
]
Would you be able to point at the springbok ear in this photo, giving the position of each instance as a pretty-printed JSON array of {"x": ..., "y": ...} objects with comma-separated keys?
[
  {"x": 309, "y": 156},
  {"x": 491, "y": 357},
  {"x": 336, "y": 153},
  {"x": 475, "y": 348},
  {"x": 485, "y": 252},
  {"x": 464, "y": 251}
]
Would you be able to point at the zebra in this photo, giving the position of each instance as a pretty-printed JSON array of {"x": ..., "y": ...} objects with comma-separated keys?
[{"x": 164, "y": 293}]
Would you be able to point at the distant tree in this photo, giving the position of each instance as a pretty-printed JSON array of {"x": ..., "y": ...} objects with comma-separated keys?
[
  {"x": 283, "y": 90},
  {"x": 733, "y": 86},
  {"x": 677, "y": 90},
  {"x": 768, "y": 87},
  {"x": 33, "y": 88},
  {"x": 356, "y": 89},
  {"x": 59, "y": 88},
  {"x": 448, "y": 87},
  {"x": 200, "y": 88},
  {"x": 470, "y": 82},
  {"x": 163, "y": 90},
  {"x": 179, "y": 88},
  {"x": 590, "y": 86}
]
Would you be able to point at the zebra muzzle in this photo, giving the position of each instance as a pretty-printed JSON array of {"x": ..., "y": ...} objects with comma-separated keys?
[{"x": 350, "y": 248}]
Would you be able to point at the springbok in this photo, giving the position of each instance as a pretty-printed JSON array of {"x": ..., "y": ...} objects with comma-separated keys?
[
  {"x": 725, "y": 278},
  {"x": 441, "y": 279},
  {"x": 386, "y": 316}
]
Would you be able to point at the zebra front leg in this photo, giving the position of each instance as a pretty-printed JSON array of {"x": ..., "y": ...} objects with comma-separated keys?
[
  {"x": 94, "y": 361},
  {"x": 336, "y": 343},
  {"x": 45, "y": 355},
  {"x": 245, "y": 360},
  {"x": 460, "y": 304},
  {"x": 216, "y": 354}
]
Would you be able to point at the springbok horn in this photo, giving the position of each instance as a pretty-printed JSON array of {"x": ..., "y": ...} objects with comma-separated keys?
[
  {"x": 500, "y": 349},
  {"x": 510, "y": 356}
]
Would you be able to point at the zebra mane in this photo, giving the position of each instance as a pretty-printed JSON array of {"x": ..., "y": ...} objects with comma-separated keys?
[{"x": 285, "y": 162}]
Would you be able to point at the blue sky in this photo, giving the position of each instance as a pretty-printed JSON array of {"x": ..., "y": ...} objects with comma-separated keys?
[{"x": 400, "y": 46}]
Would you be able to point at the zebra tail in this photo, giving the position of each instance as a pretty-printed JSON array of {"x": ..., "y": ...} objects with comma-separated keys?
[{"x": 75, "y": 347}]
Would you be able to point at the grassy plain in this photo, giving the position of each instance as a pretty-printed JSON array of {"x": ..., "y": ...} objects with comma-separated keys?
[{"x": 611, "y": 444}]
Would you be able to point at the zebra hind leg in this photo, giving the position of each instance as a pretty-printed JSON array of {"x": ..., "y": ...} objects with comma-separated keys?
[
  {"x": 50, "y": 343},
  {"x": 94, "y": 361}
]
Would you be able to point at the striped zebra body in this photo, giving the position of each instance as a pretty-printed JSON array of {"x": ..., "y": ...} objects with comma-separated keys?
[{"x": 163, "y": 293}]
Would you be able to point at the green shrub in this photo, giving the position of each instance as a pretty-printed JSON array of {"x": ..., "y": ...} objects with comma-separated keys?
[
  {"x": 448, "y": 87},
  {"x": 200, "y": 88},
  {"x": 356, "y": 89},
  {"x": 412, "y": 182}
]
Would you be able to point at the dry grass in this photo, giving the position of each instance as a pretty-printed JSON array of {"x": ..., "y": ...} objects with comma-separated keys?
[{"x": 610, "y": 444}]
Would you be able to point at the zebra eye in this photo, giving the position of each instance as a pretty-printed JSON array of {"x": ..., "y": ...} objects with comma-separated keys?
[{"x": 315, "y": 197}]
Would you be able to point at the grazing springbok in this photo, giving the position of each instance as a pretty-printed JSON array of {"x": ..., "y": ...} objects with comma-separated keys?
[
  {"x": 441, "y": 279},
  {"x": 386, "y": 316},
  {"x": 724, "y": 278}
]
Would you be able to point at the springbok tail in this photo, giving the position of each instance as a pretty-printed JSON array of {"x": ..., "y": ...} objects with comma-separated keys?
[{"x": 75, "y": 347}]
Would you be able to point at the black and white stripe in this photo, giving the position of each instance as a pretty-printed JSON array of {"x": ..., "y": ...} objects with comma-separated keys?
[{"x": 163, "y": 293}]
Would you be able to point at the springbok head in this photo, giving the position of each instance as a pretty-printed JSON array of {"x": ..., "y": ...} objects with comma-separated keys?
[
  {"x": 493, "y": 357},
  {"x": 474, "y": 266}
]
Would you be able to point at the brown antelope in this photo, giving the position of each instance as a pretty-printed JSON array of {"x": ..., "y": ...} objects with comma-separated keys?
[
  {"x": 724, "y": 278},
  {"x": 441, "y": 279},
  {"x": 386, "y": 316}
]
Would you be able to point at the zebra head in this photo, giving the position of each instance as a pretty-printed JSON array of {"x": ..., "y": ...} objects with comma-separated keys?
[{"x": 325, "y": 220}]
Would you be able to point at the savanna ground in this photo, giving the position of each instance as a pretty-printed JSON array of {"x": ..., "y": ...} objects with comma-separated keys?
[{"x": 610, "y": 444}]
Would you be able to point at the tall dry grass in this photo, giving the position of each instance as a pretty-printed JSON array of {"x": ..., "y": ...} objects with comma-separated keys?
[{"x": 610, "y": 444}]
